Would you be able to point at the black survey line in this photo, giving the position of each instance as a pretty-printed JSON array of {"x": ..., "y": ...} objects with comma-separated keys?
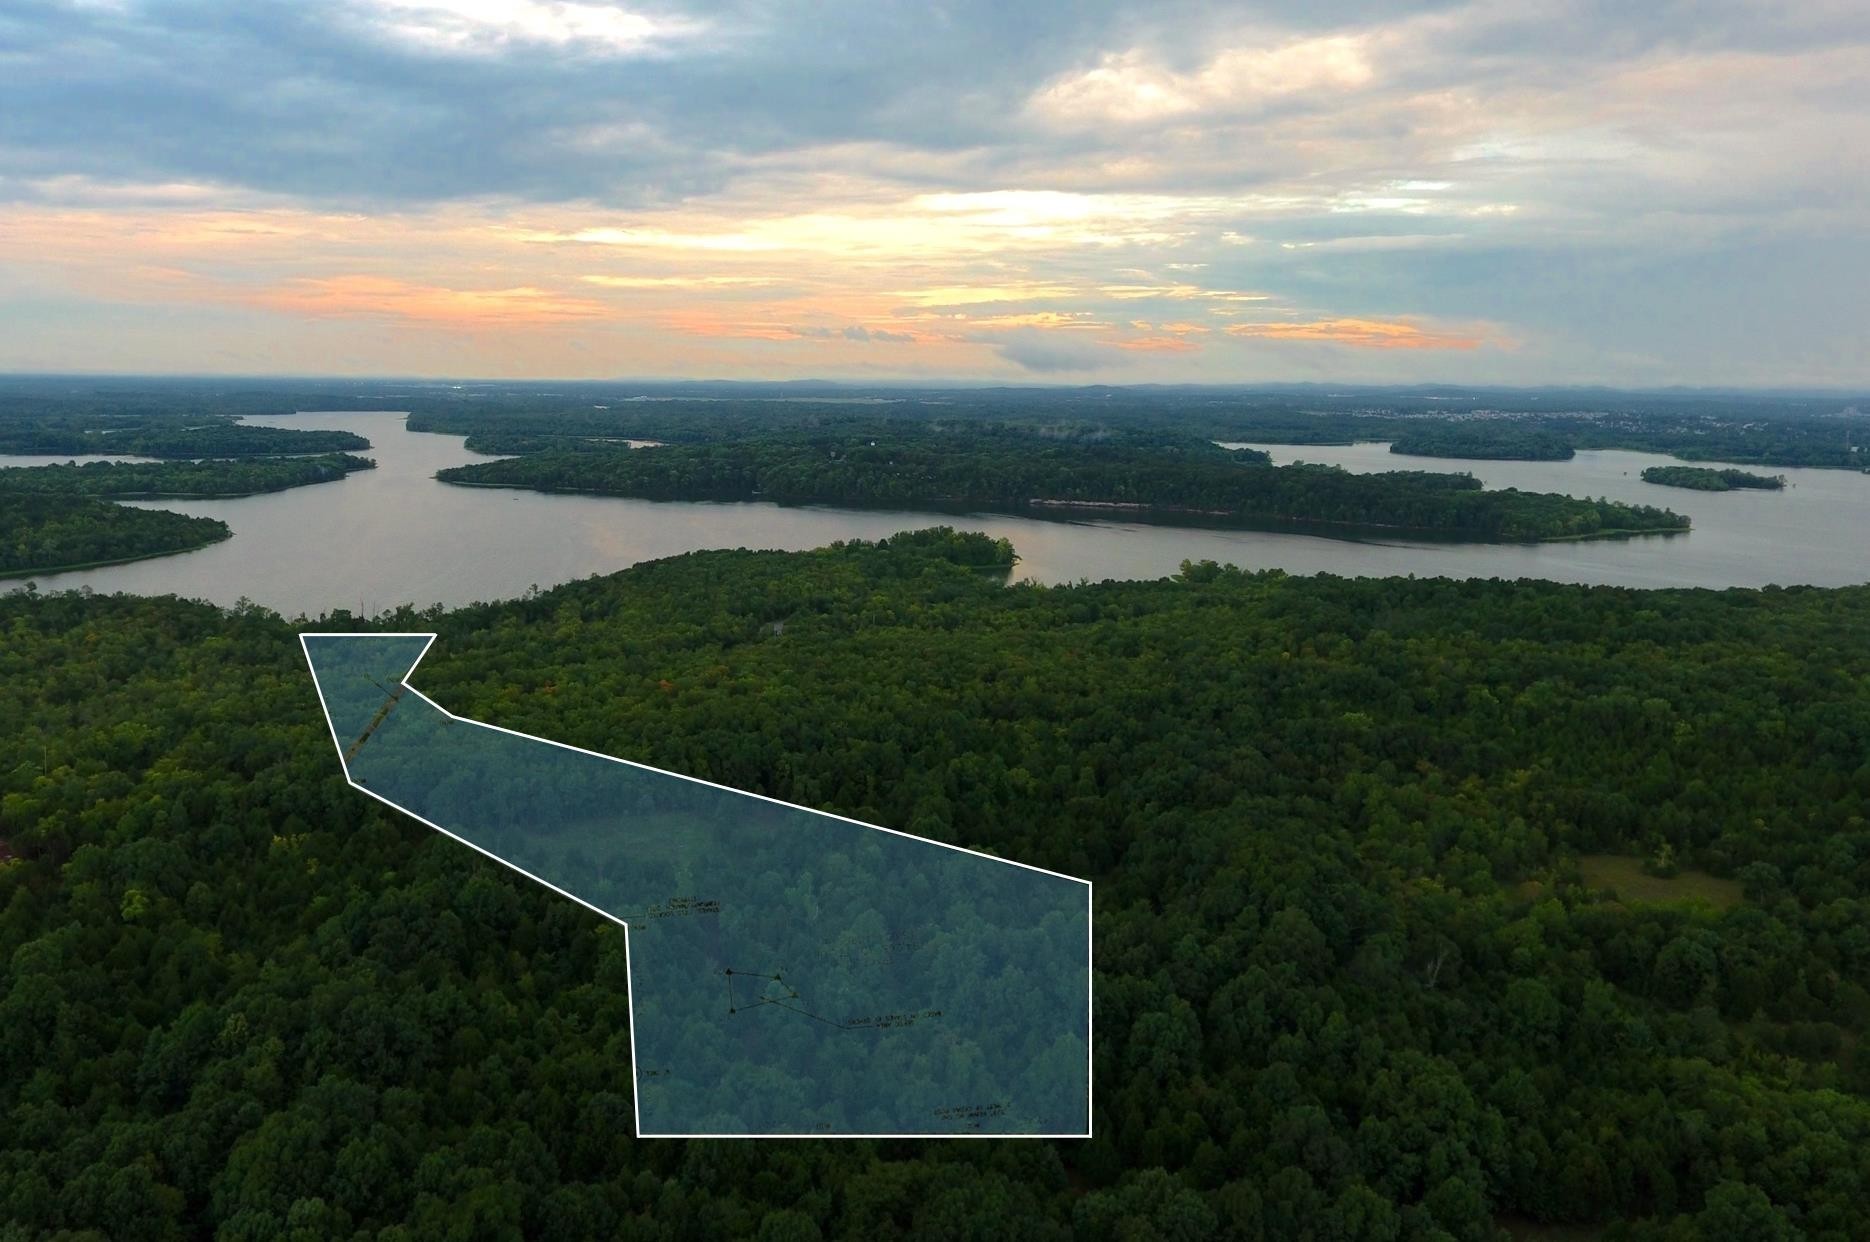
[
  {"x": 734, "y": 1005},
  {"x": 814, "y": 1017},
  {"x": 382, "y": 712}
]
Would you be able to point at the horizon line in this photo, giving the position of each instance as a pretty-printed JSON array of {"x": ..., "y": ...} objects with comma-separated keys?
[{"x": 950, "y": 383}]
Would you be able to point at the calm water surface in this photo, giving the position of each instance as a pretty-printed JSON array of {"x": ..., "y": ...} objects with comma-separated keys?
[{"x": 393, "y": 535}]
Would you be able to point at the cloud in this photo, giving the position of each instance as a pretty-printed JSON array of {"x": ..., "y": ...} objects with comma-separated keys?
[
  {"x": 1377, "y": 241},
  {"x": 487, "y": 26},
  {"x": 1053, "y": 320},
  {"x": 660, "y": 239},
  {"x": 1131, "y": 86},
  {"x": 1358, "y": 333},
  {"x": 857, "y": 332},
  {"x": 975, "y": 295},
  {"x": 79, "y": 190},
  {"x": 929, "y": 225},
  {"x": 853, "y": 332},
  {"x": 383, "y": 297},
  {"x": 1157, "y": 345},
  {"x": 711, "y": 323},
  {"x": 1181, "y": 292},
  {"x": 700, "y": 176},
  {"x": 1047, "y": 354},
  {"x": 679, "y": 282}
]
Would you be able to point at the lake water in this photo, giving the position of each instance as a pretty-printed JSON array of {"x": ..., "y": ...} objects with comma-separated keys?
[{"x": 394, "y": 535}]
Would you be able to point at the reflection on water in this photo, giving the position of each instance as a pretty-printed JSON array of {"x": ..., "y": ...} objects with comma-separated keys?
[{"x": 393, "y": 535}]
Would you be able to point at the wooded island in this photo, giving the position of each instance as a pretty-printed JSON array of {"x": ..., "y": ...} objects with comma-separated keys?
[
  {"x": 1702, "y": 479},
  {"x": 1151, "y": 478}
]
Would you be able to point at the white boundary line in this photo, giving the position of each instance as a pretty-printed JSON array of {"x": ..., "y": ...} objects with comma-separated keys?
[{"x": 636, "y": 1096}]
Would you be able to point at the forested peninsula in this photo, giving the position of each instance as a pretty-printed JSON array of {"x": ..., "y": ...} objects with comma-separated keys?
[
  {"x": 41, "y": 533},
  {"x": 59, "y": 517},
  {"x": 1482, "y": 442},
  {"x": 1358, "y": 974},
  {"x": 1037, "y": 475},
  {"x": 1701, "y": 479},
  {"x": 235, "y": 477},
  {"x": 160, "y": 439}
]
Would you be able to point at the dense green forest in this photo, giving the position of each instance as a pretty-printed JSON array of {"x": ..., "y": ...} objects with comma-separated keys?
[
  {"x": 1482, "y": 442},
  {"x": 1705, "y": 480},
  {"x": 238, "y": 477},
  {"x": 231, "y": 441},
  {"x": 1035, "y": 474},
  {"x": 1740, "y": 433},
  {"x": 220, "y": 440},
  {"x": 517, "y": 442},
  {"x": 1351, "y": 983},
  {"x": 59, "y": 517},
  {"x": 156, "y": 418},
  {"x": 1819, "y": 430},
  {"x": 70, "y": 414},
  {"x": 1828, "y": 442},
  {"x": 172, "y": 436},
  {"x": 1764, "y": 429},
  {"x": 41, "y": 533},
  {"x": 1808, "y": 442}
]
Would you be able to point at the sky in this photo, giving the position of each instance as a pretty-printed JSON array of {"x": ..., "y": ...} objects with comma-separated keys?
[{"x": 1673, "y": 192}]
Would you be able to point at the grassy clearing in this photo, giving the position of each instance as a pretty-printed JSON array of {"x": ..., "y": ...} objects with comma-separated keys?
[{"x": 1625, "y": 876}]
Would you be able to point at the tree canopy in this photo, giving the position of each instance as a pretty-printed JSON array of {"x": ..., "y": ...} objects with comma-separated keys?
[
  {"x": 1153, "y": 477},
  {"x": 1352, "y": 978},
  {"x": 238, "y": 477},
  {"x": 41, "y": 533},
  {"x": 1704, "y": 480}
]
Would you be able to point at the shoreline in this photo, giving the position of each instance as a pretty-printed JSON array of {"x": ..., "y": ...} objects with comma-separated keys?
[
  {"x": 1128, "y": 508},
  {"x": 114, "y": 496},
  {"x": 7, "y": 575}
]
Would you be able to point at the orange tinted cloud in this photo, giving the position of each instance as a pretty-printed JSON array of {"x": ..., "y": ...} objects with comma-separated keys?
[
  {"x": 1181, "y": 292},
  {"x": 1361, "y": 333},
  {"x": 711, "y": 324},
  {"x": 1039, "y": 319},
  {"x": 363, "y": 296},
  {"x": 1158, "y": 345},
  {"x": 973, "y": 295},
  {"x": 679, "y": 282}
]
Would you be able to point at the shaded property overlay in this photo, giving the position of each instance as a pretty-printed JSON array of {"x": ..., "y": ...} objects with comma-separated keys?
[{"x": 791, "y": 972}]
